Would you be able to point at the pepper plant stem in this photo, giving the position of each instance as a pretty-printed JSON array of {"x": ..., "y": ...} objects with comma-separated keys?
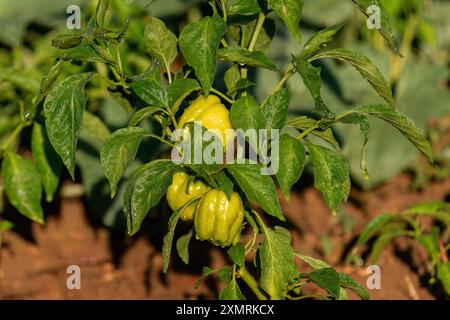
[{"x": 251, "y": 282}]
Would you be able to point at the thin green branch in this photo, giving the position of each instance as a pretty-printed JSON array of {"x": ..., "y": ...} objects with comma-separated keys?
[
  {"x": 251, "y": 282},
  {"x": 154, "y": 136},
  {"x": 258, "y": 27},
  {"x": 223, "y": 96}
]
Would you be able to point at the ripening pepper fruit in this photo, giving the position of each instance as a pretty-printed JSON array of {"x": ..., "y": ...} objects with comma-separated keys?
[
  {"x": 181, "y": 191},
  {"x": 218, "y": 219},
  {"x": 211, "y": 113}
]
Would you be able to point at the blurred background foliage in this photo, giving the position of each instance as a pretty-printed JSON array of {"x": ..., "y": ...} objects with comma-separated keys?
[{"x": 420, "y": 80}]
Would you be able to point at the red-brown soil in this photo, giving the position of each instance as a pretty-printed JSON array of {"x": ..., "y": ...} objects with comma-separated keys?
[{"x": 34, "y": 258}]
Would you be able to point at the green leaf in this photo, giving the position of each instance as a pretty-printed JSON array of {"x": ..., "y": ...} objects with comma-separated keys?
[
  {"x": 83, "y": 52},
  {"x": 183, "y": 246},
  {"x": 145, "y": 187},
  {"x": 331, "y": 175},
  {"x": 231, "y": 77},
  {"x": 160, "y": 42},
  {"x": 257, "y": 187},
  {"x": 443, "y": 274},
  {"x": 241, "y": 84},
  {"x": 66, "y": 41},
  {"x": 245, "y": 56},
  {"x": 48, "y": 164},
  {"x": 151, "y": 92},
  {"x": 277, "y": 261},
  {"x": 320, "y": 39},
  {"x": 64, "y": 109},
  {"x": 224, "y": 274},
  {"x": 313, "y": 262},
  {"x": 275, "y": 109},
  {"x": 327, "y": 279},
  {"x": 95, "y": 127},
  {"x": 237, "y": 254},
  {"x": 402, "y": 123},
  {"x": 364, "y": 127},
  {"x": 290, "y": 11},
  {"x": 347, "y": 282},
  {"x": 292, "y": 160},
  {"x": 199, "y": 43},
  {"x": 373, "y": 227},
  {"x": 5, "y": 225},
  {"x": 386, "y": 30},
  {"x": 118, "y": 152},
  {"x": 225, "y": 183},
  {"x": 430, "y": 242},
  {"x": 383, "y": 240},
  {"x": 243, "y": 7},
  {"x": 23, "y": 186},
  {"x": 246, "y": 114},
  {"x": 303, "y": 123},
  {"x": 439, "y": 210},
  {"x": 313, "y": 82},
  {"x": 239, "y": 33},
  {"x": 168, "y": 238},
  {"x": 178, "y": 90},
  {"x": 49, "y": 79},
  {"x": 231, "y": 292},
  {"x": 365, "y": 67},
  {"x": 101, "y": 12},
  {"x": 143, "y": 114}
]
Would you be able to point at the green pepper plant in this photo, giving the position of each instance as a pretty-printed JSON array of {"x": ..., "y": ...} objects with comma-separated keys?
[
  {"x": 409, "y": 224},
  {"x": 223, "y": 199}
]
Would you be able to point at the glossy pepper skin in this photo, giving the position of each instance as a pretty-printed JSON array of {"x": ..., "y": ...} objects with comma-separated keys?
[
  {"x": 218, "y": 219},
  {"x": 212, "y": 115},
  {"x": 181, "y": 191}
]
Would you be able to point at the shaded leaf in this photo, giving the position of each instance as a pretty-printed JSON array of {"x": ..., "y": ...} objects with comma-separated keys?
[
  {"x": 95, "y": 127},
  {"x": 327, "y": 279},
  {"x": 292, "y": 160},
  {"x": 386, "y": 29},
  {"x": 23, "y": 186},
  {"x": 275, "y": 109},
  {"x": 48, "y": 164},
  {"x": 159, "y": 41},
  {"x": 199, "y": 43},
  {"x": 257, "y": 187},
  {"x": 246, "y": 114},
  {"x": 237, "y": 254},
  {"x": 145, "y": 187},
  {"x": 243, "y": 7},
  {"x": 365, "y": 67},
  {"x": 64, "y": 109},
  {"x": 401, "y": 123},
  {"x": 118, "y": 152},
  {"x": 347, "y": 282},
  {"x": 183, "y": 246},
  {"x": 143, "y": 114},
  {"x": 247, "y": 57},
  {"x": 178, "y": 90},
  {"x": 331, "y": 175},
  {"x": 290, "y": 11},
  {"x": 277, "y": 261},
  {"x": 313, "y": 82},
  {"x": 231, "y": 292},
  {"x": 151, "y": 92},
  {"x": 320, "y": 39},
  {"x": 373, "y": 227},
  {"x": 443, "y": 274}
]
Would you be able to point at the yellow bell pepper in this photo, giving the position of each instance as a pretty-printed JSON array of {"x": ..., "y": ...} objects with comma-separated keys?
[
  {"x": 182, "y": 191},
  {"x": 211, "y": 114},
  {"x": 218, "y": 219}
]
